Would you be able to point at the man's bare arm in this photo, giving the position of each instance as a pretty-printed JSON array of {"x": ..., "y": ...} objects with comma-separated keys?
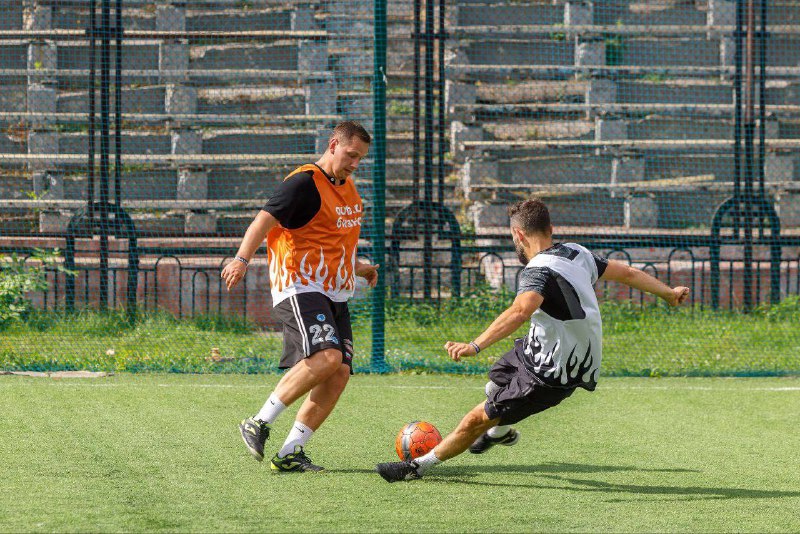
[
  {"x": 253, "y": 237},
  {"x": 636, "y": 278},
  {"x": 503, "y": 326}
]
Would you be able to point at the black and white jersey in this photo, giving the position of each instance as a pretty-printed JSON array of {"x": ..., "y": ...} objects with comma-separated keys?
[{"x": 563, "y": 347}]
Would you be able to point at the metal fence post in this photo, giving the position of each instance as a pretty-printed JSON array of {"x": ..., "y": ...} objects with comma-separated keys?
[{"x": 378, "y": 237}]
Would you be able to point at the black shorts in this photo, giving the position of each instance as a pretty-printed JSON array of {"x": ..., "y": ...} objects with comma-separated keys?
[
  {"x": 518, "y": 394},
  {"x": 313, "y": 322}
]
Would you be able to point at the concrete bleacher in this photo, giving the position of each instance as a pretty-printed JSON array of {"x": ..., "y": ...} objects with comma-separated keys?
[
  {"x": 619, "y": 112},
  {"x": 220, "y": 100}
]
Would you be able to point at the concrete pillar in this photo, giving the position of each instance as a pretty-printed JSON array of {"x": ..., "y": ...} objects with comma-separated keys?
[
  {"x": 601, "y": 91},
  {"x": 772, "y": 128},
  {"x": 173, "y": 55},
  {"x": 312, "y": 56},
  {"x": 37, "y": 17},
  {"x": 727, "y": 52},
  {"x": 578, "y": 14},
  {"x": 360, "y": 108},
  {"x": 779, "y": 168},
  {"x": 589, "y": 52},
  {"x": 321, "y": 96},
  {"x": 460, "y": 132},
  {"x": 173, "y": 61},
  {"x": 42, "y": 99},
  {"x": 180, "y": 99},
  {"x": 302, "y": 19},
  {"x": 455, "y": 57},
  {"x": 170, "y": 18},
  {"x": 625, "y": 170},
  {"x": 721, "y": 13},
  {"x": 42, "y": 56},
  {"x": 459, "y": 93},
  {"x": 42, "y": 94},
  {"x": 477, "y": 171},
  {"x": 42, "y": 142},
  {"x": 48, "y": 185},
  {"x": 185, "y": 141},
  {"x": 788, "y": 207},
  {"x": 192, "y": 184},
  {"x": 610, "y": 129},
  {"x": 53, "y": 221},
  {"x": 641, "y": 211},
  {"x": 321, "y": 141},
  {"x": 486, "y": 215},
  {"x": 200, "y": 223}
]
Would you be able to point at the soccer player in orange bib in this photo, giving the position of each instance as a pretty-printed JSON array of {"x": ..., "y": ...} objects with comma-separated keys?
[{"x": 311, "y": 225}]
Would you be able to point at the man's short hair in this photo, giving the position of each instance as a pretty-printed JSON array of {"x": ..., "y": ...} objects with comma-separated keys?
[
  {"x": 532, "y": 216},
  {"x": 345, "y": 131}
]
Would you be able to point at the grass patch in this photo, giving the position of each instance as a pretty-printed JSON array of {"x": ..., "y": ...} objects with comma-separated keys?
[
  {"x": 637, "y": 455},
  {"x": 649, "y": 341}
]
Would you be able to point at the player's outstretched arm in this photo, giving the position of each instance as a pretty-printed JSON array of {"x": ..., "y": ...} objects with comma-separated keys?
[
  {"x": 506, "y": 324},
  {"x": 638, "y": 279},
  {"x": 367, "y": 271},
  {"x": 256, "y": 232}
]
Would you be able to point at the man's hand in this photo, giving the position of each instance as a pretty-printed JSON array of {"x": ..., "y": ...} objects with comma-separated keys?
[
  {"x": 233, "y": 273},
  {"x": 459, "y": 350},
  {"x": 368, "y": 272},
  {"x": 678, "y": 296}
]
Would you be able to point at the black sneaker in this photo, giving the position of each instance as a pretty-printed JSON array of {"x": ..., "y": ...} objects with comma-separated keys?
[
  {"x": 255, "y": 434},
  {"x": 296, "y": 461},
  {"x": 396, "y": 471},
  {"x": 486, "y": 442}
]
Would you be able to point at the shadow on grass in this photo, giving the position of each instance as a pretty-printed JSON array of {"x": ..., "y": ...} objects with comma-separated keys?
[
  {"x": 566, "y": 477},
  {"x": 562, "y": 477},
  {"x": 474, "y": 470}
]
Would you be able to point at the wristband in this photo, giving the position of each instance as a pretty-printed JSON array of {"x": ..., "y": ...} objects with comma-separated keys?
[
  {"x": 475, "y": 346},
  {"x": 241, "y": 259}
]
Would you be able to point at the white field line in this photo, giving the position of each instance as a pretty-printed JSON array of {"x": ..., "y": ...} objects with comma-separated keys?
[{"x": 76, "y": 383}]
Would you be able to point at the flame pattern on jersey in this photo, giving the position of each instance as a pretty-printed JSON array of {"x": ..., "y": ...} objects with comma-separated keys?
[{"x": 320, "y": 256}]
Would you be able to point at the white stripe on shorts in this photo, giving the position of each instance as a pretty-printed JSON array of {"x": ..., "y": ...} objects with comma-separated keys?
[{"x": 300, "y": 324}]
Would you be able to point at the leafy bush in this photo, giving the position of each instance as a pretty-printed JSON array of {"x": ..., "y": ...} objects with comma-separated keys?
[{"x": 19, "y": 277}]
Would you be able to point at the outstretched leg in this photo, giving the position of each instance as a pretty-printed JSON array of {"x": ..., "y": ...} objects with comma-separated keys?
[{"x": 475, "y": 423}]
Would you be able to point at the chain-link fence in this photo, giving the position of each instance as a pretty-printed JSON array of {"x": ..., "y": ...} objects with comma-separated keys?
[{"x": 141, "y": 138}]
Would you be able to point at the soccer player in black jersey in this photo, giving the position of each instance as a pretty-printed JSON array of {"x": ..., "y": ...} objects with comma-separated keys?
[{"x": 562, "y": 350}]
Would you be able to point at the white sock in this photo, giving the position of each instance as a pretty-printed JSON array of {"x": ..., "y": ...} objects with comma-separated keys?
[
  {"x": 271, "y": 410},
  {"x": 426, "y": 462},
  {"x": 498, "y": 431},
  {"x": 299, "y": 435}
]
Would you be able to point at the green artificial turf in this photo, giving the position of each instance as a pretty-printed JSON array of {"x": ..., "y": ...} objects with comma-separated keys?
[{"x": 162, "y": 452}]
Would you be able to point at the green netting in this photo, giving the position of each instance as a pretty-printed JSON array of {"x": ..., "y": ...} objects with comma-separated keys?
[{"x": 142, "y": 137}]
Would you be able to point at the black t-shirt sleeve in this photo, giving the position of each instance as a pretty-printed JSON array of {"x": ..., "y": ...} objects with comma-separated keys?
[
  {"x": 534, "y": 279},
  {"x": 560, "y": 299},
  {"x": 601, "y": 264},
  {"x": 295, "y": 202}
]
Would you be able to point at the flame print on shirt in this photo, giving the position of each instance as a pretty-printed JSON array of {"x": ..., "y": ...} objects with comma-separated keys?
[
  {"x": 551, "y": 367},
  {"x": 342, "y": 278},
  {"x": 279, "y": 271},
  {"x": 320, "y": 256}
]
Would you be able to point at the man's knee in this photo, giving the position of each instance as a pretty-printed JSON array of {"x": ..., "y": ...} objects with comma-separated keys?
[
  {"x": 475, "y": 418},
  {"x": 490, "y": 388},
  {"x": 341, "y": 376},
  {"x": 329, "y": 359}
]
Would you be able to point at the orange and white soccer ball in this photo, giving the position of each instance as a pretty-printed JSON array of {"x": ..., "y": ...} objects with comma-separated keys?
[{"x": 416, "y": 439}]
